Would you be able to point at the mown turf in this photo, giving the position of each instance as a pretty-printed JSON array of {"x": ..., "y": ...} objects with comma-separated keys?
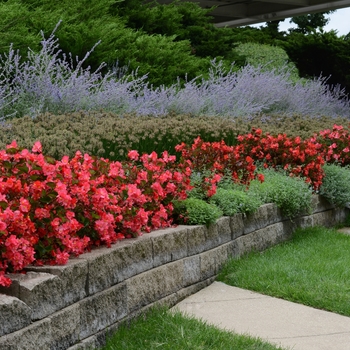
[
  {"x": 162, "y": 329},
  {"x": 311, "y": 269}
]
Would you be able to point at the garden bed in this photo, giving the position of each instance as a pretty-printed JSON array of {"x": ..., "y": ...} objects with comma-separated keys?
[{"x": 76, "y": 305}]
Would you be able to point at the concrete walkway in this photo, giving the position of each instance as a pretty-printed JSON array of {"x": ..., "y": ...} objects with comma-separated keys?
[{"x": 287, "y": 324}]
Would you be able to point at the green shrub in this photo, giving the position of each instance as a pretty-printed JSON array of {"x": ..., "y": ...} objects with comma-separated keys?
[
  {"x": 236, "y": 201},
  {"x": 193, "y": 211},
  {"x": 291, "y": 194},
  {"x": 336, "y": 184},
  {"x": 271, "y": 57}
]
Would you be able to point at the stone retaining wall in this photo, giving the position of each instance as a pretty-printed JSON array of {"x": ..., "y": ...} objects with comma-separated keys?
[{"x": 76, "y": 306}]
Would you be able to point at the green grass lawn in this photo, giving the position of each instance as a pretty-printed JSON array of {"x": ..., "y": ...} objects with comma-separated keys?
[
  {"x": 312, "y": 269},
  {"x": 162, "y": 329}
]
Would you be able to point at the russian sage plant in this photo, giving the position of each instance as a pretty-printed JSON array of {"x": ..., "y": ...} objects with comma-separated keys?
[{"x": 55, "y": 82}]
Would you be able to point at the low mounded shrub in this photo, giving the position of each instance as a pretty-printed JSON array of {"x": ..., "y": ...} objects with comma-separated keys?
[
  {"x": 291, "y": 194},
  {"x": 336, "y": 184},
  {"x": 235, "y": 201},
  {"x": 193, "y": 211}
]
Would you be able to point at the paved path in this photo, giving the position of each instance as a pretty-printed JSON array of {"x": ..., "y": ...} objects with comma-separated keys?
[{"x": 287, "y": 324}]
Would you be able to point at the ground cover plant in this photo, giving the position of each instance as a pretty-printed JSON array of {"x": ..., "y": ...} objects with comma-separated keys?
[
  {"x": 160, "y": 328},
  {"x": 310, "y": 269}
]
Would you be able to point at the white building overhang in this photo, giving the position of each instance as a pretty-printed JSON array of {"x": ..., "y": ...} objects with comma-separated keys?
[{"x": 235, "y": 13}]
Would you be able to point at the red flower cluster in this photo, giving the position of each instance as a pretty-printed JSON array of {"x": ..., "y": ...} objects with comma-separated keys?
[
  {"x": 218, "y": 158},
  {"x": 298, "y": 157},
  {"x": 335, "y": 144},
  {"x": 51, "y": 209}
]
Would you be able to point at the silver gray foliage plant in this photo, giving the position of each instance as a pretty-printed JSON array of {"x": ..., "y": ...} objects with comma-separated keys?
[{"x": 51, "y": 81}]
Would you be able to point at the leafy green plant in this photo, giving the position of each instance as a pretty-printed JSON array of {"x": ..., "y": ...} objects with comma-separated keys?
[
  {"x": 336, "y": 184},
  {"x": 236, "y": 201},
  {"x": 193, "y": 211},
  {"x": 291, "y": 194}
]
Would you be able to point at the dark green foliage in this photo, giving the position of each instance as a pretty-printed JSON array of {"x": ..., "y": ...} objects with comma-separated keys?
[
  {"x": 186, "y": 20},
  {"x": 84, "y": 23},
  {"x": 321, "y": 54},
  {"x": 336, "y": 184},
  {"x": 17, "y": 27},
  {"x": 193, "y": 211},
  {"x": 310, "y": 22}
]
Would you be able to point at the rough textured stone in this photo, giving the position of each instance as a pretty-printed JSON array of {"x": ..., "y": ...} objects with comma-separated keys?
[
  {"x": 237, "y": 226},
  {"x": 320, "y": 204},
  {"x": 14, "y": 314},
  {"x": 42, "y": 292},
  {"x": 232, "y": 249},
  {"x": 304, "y": 221},
  {"x": 185, "y": 292},
  {"x": 202, "y": 238},
  {"x": 65, "y": 326},
  {"x": 37, "y": 336},
  {"x": 208, "y": 264},
  {"x": 191, "y": 272},
  {"x": 325, "y": 218},
  {"x": 223, "y": 254},
  {"x": 266, "y": 215},
  {"x": 196, "y": 239},
  {"x": 211, "y": 261},
  {"x": 86, "y": 344},
  {"x": 102, "y": 310},
  {"x": 169, "y": 245},
  {"x": 155, "y": 284},
  {"x": 224, "y": 229},
  {"x": 115, "y": 264},
  {"x": 261, "y": 239},
  {"x": 73, "y": 277},
  {"x": 340, "y": 214}
]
